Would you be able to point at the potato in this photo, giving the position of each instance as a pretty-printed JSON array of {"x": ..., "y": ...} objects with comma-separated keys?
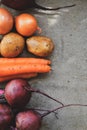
[
  {"x": 12, "y": 45},
  {"x": 40, "y": 45}
]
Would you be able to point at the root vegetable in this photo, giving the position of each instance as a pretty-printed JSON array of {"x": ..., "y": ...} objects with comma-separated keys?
[
  {"x": 40, "y": 45},
  {"x": 15, "y": 66},
  {"x": 22, "y": 61},
  {"x": 6, "y": 21},
  {"x": 31, "y": 119},
  {"x": 18, "y": 4},
  {"x": 6, "y": 116},
  {"x": 19, "y": 69},
  {"x": 26, "y": 24},
  {"x": 18, "y": 93},
  {"x": 24, "y": 4},
  {"x": 22, "y": 76},
  {"x": 12, "y": 45}
]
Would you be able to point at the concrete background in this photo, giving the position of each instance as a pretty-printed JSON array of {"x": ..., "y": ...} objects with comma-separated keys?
[{"x": 68, "y": 79}]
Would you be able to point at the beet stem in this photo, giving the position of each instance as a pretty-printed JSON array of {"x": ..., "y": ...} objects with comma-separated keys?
[
  {"x": 40, "y": 92},
  {"x": 37, "y": 109},
  {"x": 68, "y": 105},
  {"x": 52, "y": 8}
]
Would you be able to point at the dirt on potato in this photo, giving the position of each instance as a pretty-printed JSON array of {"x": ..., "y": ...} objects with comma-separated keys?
[{"x": 12, "y": 45}]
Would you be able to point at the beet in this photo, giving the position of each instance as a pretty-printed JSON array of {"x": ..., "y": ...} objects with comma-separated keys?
[
  {"x": 18, "y": 93},
  {"x": 6, "y": 116},
  {"x": 28, "y": 120},
  {"x": 31, "y": 119},
  {"x": 18, "y": 4},
  {"x": 15, "y": 93},
  {"x": 25, "y": 4}
]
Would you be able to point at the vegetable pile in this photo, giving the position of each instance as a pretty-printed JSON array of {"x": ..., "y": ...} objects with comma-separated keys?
[
  {"x": 17, "y": 35},
  {"x": 17, "y": 38},
  {"x": 13, "y": 42},
  {"x": 22, "y": 67},
  {"x": 26, "y": 24},
  {"x": 17, "y": 94},
  {"x": 24, "y": 4},
  {"x": 14, "y": 113}
]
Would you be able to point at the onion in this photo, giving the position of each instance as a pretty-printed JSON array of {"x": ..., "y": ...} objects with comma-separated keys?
[
  {"x": 6, "y": 21},
  {"x": 26, "y": 24}
]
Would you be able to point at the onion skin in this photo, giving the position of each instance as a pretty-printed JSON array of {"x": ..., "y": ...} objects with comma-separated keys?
[
  {"x": 15, "y": 93},
  {"x": 6, "y": 116},
  {"x": 6, "y": 21},
  {"x": 26, "y": 24},
  {"x": 28, "y": 120}
]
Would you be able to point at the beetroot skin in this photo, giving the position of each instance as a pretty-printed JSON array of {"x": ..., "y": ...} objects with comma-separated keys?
[
  {"x": 28, "y": 120},
  {"x": 16, "y": 94},
  {"x": 6, "y": 116}
]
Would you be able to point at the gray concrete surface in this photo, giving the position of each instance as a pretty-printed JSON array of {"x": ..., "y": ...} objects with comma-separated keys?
[{"x": 68, "y": 79}]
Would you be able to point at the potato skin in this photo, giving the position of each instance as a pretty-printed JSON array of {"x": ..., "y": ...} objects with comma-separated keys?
[
  {"x": 40, "y": 45},
  {"x": 12, "y": 45}
]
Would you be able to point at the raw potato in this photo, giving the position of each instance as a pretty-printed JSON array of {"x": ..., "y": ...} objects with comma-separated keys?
[
  {"x": 12, "y": 45},
  {"x": 40, "y": 45}
]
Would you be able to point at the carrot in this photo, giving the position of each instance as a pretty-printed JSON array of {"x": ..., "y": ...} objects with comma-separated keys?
[
  {"x": 9, "y": 69},
  {"x": 24, "y": 60},
  {"x": 24, "y": 76}
]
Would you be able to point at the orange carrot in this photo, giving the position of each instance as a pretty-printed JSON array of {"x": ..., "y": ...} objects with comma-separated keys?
[
  {"x": 24, "y": 60},
  {"x": 9, "y": 69},
  {"x": 24, "y": 76}
]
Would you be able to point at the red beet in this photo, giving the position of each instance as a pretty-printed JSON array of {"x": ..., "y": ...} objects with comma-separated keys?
[
  {"x": 18, "y": 93},
  {"x": 31, "y": 120},
  {"x": 28, "y": 120},
  {"x": 24, "y": 4},
  {"x": 15, "y": 93},
  {"x": 18, "y": 4},
  {"x": 6, "y": 116}
]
